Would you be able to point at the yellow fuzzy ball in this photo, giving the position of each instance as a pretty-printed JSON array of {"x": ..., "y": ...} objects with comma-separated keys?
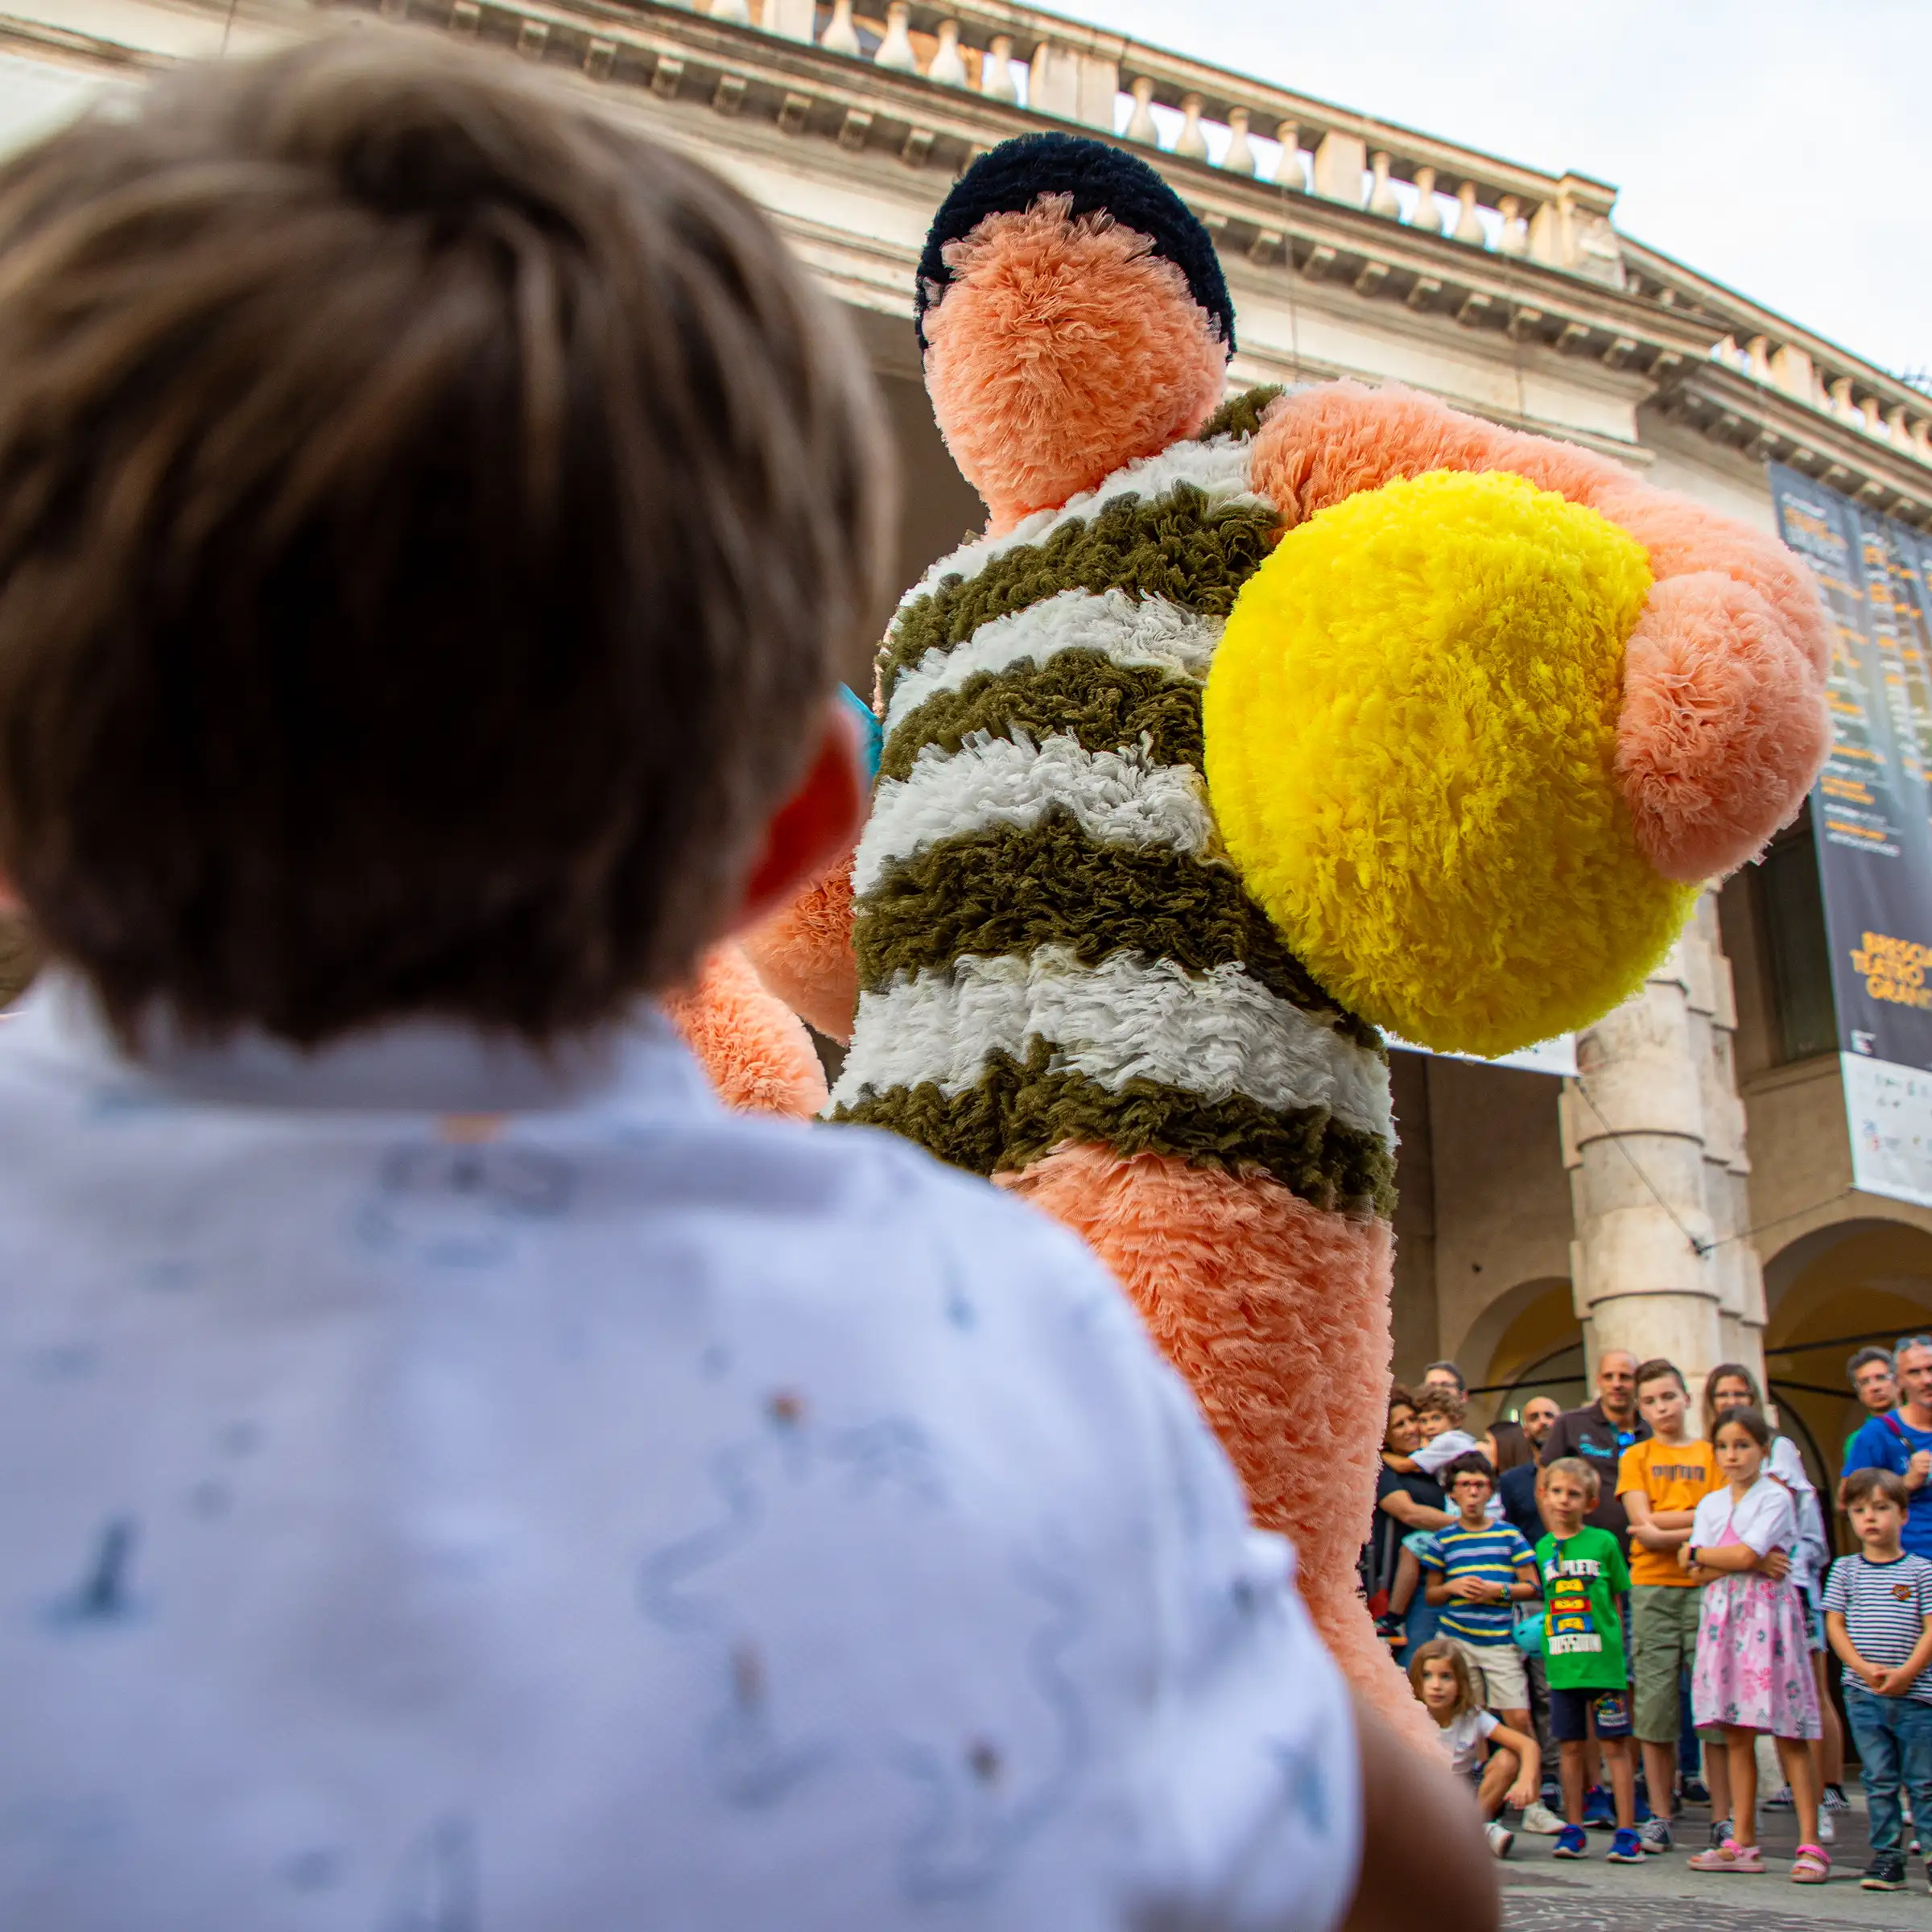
[{"x": 1411, "y": 720}]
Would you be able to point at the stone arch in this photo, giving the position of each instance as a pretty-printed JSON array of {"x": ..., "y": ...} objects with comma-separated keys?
[
  {"x": 1867, "y": 1276},
  {"x": 1527, "y": 1341}
]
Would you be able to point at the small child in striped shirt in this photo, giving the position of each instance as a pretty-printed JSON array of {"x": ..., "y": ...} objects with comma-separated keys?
[
  {"x": 1878, "y": 1616},
  {"x": 1478, "y": 1571}
]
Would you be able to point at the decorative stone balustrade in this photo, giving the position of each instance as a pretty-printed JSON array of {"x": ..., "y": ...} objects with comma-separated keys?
[
  {"x": 1221, "y": 121},
  {"x": 1297, "y": 185},
  {"x": 1792, "y": 370},
  {"x": 1217, "y": 119}
]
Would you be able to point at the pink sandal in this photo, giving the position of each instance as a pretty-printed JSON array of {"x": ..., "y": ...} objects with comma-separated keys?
[
  {"x": 1729, "y": 1856},
  {"x": 1812, "y": 1866}
]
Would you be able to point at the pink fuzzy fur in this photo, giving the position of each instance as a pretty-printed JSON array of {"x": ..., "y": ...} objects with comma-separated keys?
[
  {"x": 1684, "y": 538},
  {"x": 1277, "y": 1314},
  {"x": 1721, "y": 731},
  {"x": 1062, "y": 350},
  {"x": 803, "y": 955},
  {"x": 1723, "y": 726},
  {"x": 758, "y": 1056}
]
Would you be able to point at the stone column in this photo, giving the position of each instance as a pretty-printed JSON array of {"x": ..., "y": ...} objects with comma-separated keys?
[{"x": 1653, "y": 1138}]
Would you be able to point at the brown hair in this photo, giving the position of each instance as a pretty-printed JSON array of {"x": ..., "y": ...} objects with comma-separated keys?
[
  {"x": 1579, "y": 1471},
  {"x": 1432, "y": 1398},
  {"x": 1440, "y": 1650},
  {"x": 1726, "y": 1371},
  {"x": 1472, "y": 1462},
  {"x": 1751, "y": 1421},
  {"x": 1656, "y": 1370},
  {"x": 1859, "y": 1484},
  {"x": 1512, "y": 1449},
  {"x": 430, "y": 516}
]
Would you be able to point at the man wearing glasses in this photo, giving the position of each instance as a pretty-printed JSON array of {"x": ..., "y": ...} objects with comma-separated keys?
[{"x": 1902, "y": 1441}]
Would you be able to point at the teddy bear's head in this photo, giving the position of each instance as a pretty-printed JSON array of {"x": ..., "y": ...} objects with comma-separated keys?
[{"x": 1073, "y": 318}]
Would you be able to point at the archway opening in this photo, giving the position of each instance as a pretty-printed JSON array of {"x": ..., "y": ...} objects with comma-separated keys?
[
  {"x": 1539, "y": 1351},
  {"x": 1826, "y": 1295}
]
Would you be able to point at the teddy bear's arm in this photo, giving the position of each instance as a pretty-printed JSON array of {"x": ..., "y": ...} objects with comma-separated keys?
[
  {"x": 803, "y": 955},
  {"x": 1722, "y": 724},
  {"x": 760, "y": 1059}
]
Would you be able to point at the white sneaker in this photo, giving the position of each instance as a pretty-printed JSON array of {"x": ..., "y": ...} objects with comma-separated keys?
[
  {"x": 1540, "y": 1821},
  {"x": 1500, "y": 1840},
  {"x": 1827, "y": 1832}
]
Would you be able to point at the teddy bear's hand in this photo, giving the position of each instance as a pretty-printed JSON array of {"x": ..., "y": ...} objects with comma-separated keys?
[
  {"x": 1721, "y": 730},
  {"x": 760, "y": 1059},
  {"x": 803, "y": 955},
  {"x": 1492, "y": 709}
]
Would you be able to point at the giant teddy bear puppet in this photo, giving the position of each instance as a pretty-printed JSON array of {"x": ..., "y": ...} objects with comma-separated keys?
[{"x": 1249, "y": 728}]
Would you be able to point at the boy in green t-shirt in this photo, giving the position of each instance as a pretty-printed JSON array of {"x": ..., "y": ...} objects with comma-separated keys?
[{"x": 1583, "y": 1574}]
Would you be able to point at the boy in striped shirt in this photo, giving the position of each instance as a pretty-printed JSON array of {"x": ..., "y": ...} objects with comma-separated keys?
[
  {"x": 1878, "y": 1615},
  {"x": 1478, "y": 1571}
]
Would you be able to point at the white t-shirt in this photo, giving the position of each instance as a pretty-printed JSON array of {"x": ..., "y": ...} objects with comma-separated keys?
[
  {"x": 1764, "y": 1516},
  {"x": 1462, "y": 1737},
  {"x": 1440, "y": 1451},
  {"x": 1812, "y": 1553},
  {"x": 446, "y": 1490}
]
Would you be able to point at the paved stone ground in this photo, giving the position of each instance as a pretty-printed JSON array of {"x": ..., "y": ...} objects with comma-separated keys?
[{"x": 1544, "y": 1894}]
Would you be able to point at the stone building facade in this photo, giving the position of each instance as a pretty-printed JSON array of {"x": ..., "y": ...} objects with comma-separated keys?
[{"x": 1689, "y": 1192}]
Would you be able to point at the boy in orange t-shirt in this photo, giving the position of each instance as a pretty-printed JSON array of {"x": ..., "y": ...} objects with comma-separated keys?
[{"x": 1662, "y": 1480}]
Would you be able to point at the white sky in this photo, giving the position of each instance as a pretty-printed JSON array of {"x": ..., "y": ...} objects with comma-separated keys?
[{"x": 1781, "y": 147}]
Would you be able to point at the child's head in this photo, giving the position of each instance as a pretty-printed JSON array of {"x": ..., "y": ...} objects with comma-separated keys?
[
  {"x": 1661, "y": 1397},
  {"x": 1437, "y": 1409},
  {"x": 1567, "y": 1490},
  {"x": 1876, "y": 1500},
  {"x": 430, "y": 516},
  {"x": 1440, "y": 1676},
  {"x": 1469, "y": 1481},
  {"x": 1741, "y": 1441}
]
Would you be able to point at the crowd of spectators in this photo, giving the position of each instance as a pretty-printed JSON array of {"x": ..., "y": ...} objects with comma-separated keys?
[{"x": 1616, "y": 1601}]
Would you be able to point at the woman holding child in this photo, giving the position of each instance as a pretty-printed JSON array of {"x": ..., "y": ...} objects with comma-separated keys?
[{"x": 1406, "y": 1501}]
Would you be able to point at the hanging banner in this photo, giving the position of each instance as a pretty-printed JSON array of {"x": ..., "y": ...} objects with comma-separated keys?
[{"x": 1872, "y": 818}]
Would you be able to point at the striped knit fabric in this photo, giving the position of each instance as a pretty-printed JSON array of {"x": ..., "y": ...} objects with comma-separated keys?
[{"x": 1052, "y": 946}]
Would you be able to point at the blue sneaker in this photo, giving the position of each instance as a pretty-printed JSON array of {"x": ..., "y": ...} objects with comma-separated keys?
[
  {"x": 1600, "y": 1814},
  {"x": 1626, "y": 1848},
  {"x": 1572, "y": 1842}
]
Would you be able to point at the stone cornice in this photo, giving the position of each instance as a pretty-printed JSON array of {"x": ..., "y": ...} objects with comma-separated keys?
[
  {"x": 851, "y": 119},
  {"x": 1730, "y": 407},
  {"x": 1729, "y": 313},
  {"x": 87, "y": 52},
  {"x": 882, "y": 117}
]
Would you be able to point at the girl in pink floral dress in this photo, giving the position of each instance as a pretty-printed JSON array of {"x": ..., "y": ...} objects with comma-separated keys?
[{"x": 1753, "y": 1670}]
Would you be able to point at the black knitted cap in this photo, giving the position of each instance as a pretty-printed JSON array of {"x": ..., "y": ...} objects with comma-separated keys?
[{"x": 1094, "y": 176}]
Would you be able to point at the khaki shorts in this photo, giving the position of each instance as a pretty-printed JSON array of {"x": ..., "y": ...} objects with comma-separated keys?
[
  {"x": 1502, "y": 1674},
  {"x": 1663, "y": 1642}
]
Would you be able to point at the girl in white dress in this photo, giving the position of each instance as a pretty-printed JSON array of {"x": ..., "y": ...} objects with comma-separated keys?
[{"x": 1753, "y": 1670}]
